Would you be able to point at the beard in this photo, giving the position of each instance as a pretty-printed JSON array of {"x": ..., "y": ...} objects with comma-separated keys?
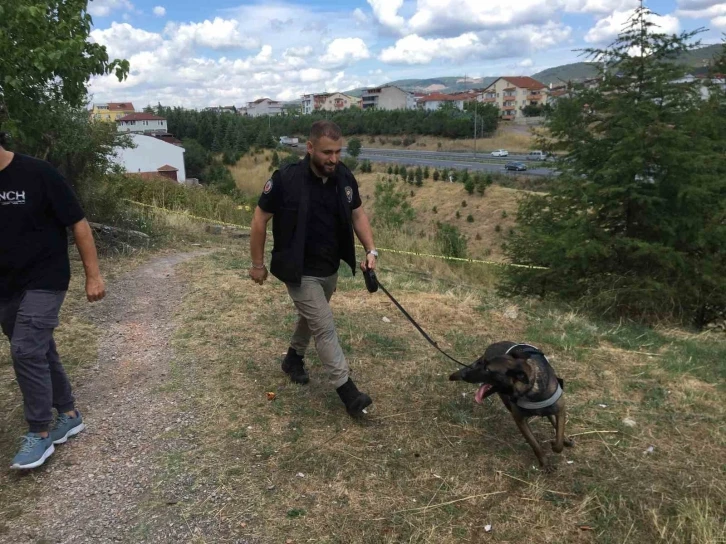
[{"x": 323, "y": 166}]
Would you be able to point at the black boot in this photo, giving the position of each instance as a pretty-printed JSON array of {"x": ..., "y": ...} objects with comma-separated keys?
[
  {"x": 354, "y": 400},
  {"x": 293, "y": 366}
]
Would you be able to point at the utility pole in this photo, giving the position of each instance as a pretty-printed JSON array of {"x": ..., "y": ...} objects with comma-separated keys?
[{"x": 476, "y": 109}]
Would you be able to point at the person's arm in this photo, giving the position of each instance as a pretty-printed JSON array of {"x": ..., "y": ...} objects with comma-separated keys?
[
  {"x": 95, "y": 288},
  {"x": 258, "y": 235},
  {"x": 362, "y": 228}
]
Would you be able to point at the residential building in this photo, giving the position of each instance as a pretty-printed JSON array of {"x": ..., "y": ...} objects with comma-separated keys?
[
  {"x": 328, "y": 102},
  {"x": 111, "y": 111},
  {"x": 151, "y": 157},
  {"x": 264, "y": 106},
  {"x": 512, "y": 94},
  {"x": 141, "y": 123},
  {"x": 434, "y": 101},
  {"x": 388, "y": 97}
]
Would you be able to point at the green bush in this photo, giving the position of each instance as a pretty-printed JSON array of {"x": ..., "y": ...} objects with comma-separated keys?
[{"x": 450, "y": 241}]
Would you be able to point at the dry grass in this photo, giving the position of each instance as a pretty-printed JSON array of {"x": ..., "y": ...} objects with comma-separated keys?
[
  {"x": 493, "y": 214},
  {"x": 428, "y": 465},
  {"x": 513, "y": 139},
  {"x": 252, "y": 171}
]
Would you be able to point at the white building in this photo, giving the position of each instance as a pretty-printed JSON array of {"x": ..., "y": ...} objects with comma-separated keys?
[
  {"x": 151, "y": 156},
  {"x": 328, "y": 102},
  {"x": 388, "y": 97},
  {"x": 264, "y": 106},
  {"x": 434, "y": 101},
  {"x": 141, "y": 123}
]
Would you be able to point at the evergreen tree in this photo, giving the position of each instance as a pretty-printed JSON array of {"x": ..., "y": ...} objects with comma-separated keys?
[
  {"x": 419, "y": 176},
  {"x": 436, "y": 175},
  {"x": 426, "y": 173},
  {"x": 634, "y": 223}
]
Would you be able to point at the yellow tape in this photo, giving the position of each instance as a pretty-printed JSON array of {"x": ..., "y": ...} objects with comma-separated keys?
[{"x": 380, "y": 249}]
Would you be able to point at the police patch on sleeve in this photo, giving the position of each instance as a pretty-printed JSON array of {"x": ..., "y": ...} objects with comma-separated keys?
[
  {"x": 349, "y": 193},
  {"x": 268, "y": 186}
]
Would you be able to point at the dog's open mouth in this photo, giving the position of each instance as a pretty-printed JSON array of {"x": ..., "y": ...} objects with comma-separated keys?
[{"x": 481, "y": 393}]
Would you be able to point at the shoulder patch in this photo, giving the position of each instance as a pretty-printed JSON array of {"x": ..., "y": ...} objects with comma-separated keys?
[
  {"x": 268, "y": 186},
  {"x": 349, "y": 193}
]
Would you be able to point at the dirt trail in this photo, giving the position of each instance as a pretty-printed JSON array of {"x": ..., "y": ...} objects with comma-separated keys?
[{"x": 97, "y": 488}]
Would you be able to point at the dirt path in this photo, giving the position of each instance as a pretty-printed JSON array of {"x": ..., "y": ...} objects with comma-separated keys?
[{"x": 97, "y": 488}]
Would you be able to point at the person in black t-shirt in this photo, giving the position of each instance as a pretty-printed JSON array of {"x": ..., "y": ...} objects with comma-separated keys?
[
  {"x": 316, "y": 208},
  {"x": 36, "y": 207}
]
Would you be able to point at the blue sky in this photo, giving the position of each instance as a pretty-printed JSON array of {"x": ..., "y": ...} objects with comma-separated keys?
[{"x": 223, "y": 52}]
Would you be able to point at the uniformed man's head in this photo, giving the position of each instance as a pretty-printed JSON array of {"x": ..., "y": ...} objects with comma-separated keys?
[{"x": 324, "y": 145}]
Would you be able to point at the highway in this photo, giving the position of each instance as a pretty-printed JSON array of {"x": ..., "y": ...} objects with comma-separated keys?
[{"x": 482, "y": 162}]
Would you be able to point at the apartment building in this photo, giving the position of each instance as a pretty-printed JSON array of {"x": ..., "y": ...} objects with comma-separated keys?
[
  {"x": 512, "y": 94},
  {"x": 111, "y": 111},
  {"x": 388, "y": 97},
  {"x": 264, "y": 106},
  {"x": 434, "y": 101},
  {"x": 328, "y": 102},
  {"x": 141, "y": 123}
]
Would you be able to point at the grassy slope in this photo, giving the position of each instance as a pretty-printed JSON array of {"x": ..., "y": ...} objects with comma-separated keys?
[{"x": 428, "y": 465}]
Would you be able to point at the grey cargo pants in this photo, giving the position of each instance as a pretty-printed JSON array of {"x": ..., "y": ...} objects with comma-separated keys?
[
  {"x": 312, "y": 299},
  {"x": 28, "y": 320}
]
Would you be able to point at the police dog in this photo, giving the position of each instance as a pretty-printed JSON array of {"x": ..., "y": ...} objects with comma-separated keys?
[{"x": 527, "y": 384}]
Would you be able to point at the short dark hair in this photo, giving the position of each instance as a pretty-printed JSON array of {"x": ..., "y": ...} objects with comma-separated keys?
[{"x": 325, "y": 128}]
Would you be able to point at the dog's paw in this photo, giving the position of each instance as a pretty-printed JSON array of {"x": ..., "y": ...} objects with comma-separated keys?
[{"x": 569, "y": 443}]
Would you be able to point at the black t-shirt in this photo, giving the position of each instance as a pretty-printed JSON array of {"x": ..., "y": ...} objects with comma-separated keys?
[
  {"x": 36, "y": 206},
  {"x": 325, "y": 226}
]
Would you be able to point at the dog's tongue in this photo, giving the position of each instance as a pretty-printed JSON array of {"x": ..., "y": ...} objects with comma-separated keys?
[{"x": 479, "y": 397}]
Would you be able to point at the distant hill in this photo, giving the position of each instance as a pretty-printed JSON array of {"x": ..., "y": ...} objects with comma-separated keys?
[
  {"x": 698, "y": 60},
  {"x": 435, "y": 85}
]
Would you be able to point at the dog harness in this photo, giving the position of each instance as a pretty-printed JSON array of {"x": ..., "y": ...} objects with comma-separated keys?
[{"x": 527, "y": 405}]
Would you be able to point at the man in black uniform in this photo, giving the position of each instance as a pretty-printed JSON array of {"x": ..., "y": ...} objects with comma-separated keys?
[
  {"x": 36, "y": 207},
  {"x": 316, "y": 208}
]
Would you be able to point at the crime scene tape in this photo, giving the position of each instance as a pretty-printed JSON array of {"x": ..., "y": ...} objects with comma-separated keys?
[{"x": 380, "y": 249}]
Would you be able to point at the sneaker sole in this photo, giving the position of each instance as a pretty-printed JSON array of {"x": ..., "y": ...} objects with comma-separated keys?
[
  {"x": 37, "y": 463},
  {"x": 72, "y": 432}
]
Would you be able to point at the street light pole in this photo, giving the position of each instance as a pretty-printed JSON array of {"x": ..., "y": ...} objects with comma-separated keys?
[{"x": 476, "y": 108}]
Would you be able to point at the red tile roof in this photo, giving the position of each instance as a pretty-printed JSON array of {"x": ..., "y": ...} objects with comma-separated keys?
[
  {"x": 120, "y": 106},
  {"x": 167, "y": 168},
  {"x": 525, "y": 82},
  {"x": 140, "y": 117}
]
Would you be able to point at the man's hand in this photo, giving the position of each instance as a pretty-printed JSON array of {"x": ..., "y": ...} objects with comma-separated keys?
[
  {"x": 259, "y": 275},
  {"x": 95, "y": 289},
  {"x": 370, "y": 262}
]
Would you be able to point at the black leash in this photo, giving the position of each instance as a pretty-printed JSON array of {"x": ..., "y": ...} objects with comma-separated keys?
[{"x": 372, "y": 284}]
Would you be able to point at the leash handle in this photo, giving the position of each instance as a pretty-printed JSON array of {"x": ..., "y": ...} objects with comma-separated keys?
[{"x": 372, "y": 284}]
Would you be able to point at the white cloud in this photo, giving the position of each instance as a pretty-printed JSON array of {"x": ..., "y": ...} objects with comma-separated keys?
[
  {"x": 103, "y": 8},
  {"x": 217, "y": 34},
  {"x": 715, "y": 10},
  {"x": 159, "y": 11},
  {"x": 443, "y": 18},
  {"x": 414, "y": 49},
  {"x": 343, "y": 51},
  {"x": 386, "y": 13},
  {"x": 607, "y": 29},
  {"x": 526, "y": 63},
  {"x": 123, "y": 40},
  {"x": 298, "y": 52}
]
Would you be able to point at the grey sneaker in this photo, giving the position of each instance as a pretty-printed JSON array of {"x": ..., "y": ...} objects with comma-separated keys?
[
  {"x": 65, "y": 427},
  {"x": 33, "y": 452}
]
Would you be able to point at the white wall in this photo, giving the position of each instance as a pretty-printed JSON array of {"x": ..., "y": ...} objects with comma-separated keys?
[
  {"x": 149, "y": 155},
  {"x": 142, "y": 126}
]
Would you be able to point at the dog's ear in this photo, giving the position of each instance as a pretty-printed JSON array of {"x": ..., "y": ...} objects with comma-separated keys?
[{"x": 519, "y": 371}]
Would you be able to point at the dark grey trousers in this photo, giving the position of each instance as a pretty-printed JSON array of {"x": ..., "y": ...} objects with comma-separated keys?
[{"x": 28, "y": 321}]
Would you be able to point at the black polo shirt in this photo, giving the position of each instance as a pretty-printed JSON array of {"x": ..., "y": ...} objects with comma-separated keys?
[{"x": 322, "y": 238}]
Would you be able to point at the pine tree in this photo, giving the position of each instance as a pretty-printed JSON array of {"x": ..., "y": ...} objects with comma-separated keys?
[
  {"x": 436, "y": 175},
  {"x": 633, "y": 225},
  {"x": 426, "y": 173},
  {"x": 419, "y": 176}
]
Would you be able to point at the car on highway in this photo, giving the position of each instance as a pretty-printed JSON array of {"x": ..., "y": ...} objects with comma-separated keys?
[
  {"x": 516, "y": 166},
  {"x": 500, "y": 153},
  {"x": 537, "y": 156}
]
